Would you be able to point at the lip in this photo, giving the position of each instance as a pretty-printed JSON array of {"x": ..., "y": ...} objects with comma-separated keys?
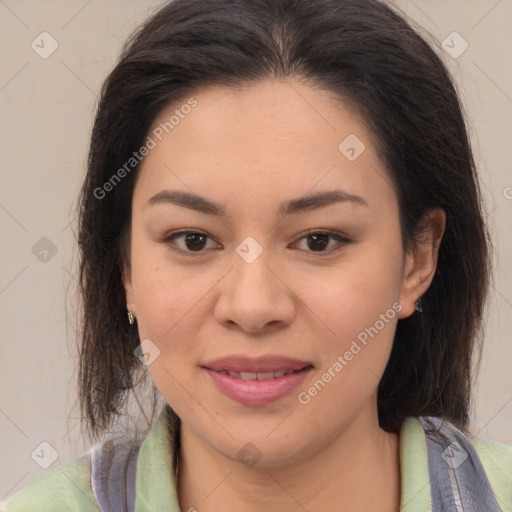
[
  {"x": 258, "y": 392},
  {"x": 265, "y": 363}
]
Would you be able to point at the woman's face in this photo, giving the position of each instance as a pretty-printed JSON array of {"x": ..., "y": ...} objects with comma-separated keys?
[{"x": 250, "y": 280}]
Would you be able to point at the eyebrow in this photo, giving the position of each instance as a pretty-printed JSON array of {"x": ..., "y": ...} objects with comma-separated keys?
[{"x": 292, "y": 206}]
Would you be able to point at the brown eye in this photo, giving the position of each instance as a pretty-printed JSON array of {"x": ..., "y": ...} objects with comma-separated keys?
[
  {"x": 195, "y": 241},
  {"x": 319, "y": 240},
  {"x": 192, "y": 242}
]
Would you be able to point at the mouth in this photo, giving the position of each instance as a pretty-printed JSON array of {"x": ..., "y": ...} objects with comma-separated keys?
[
  {"x": 241, "y": 364},
  {"x": 259, "y": 375},
  {"x": 257, "y": 388},
  {"x": 257, "y": 380}
]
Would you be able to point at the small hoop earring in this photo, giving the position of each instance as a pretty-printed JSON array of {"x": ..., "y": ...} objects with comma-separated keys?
[
  {"x": 131, "y": 319},
  {"x": 419, "y": 305}
]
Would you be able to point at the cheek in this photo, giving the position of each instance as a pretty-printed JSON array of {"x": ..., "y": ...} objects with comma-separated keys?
[
  {"x": 171, "y": 310},
  {"x": 355, "y": 314},
  {"x": 355, "y": 324},
  {"x": 351, "y": 296},
  {"x": 172, "y": 300}
]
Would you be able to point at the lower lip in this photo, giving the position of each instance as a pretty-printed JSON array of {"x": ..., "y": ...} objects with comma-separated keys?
[{"x": 258, "y": 392}]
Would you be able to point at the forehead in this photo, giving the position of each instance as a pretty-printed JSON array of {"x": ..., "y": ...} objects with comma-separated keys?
[{"x": 274, "y": 139}]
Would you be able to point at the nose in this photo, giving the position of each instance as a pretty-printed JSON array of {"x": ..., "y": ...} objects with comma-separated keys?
[{"x": 255, "y": 295}]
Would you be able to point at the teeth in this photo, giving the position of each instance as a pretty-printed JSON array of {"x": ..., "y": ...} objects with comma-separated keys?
[
  {"x": 267, "y": 375},
  {"x": 257, "y": 375}
]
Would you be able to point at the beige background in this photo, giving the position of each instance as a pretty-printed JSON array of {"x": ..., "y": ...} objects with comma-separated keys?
[{"x": 47, "y": 109}]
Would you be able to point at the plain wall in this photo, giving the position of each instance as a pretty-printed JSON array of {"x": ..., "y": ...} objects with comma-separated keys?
[{"x": 47, "y": 110}]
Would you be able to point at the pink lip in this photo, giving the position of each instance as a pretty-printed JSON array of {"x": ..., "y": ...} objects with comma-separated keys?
[
  {"x": 257, "y": 392},
  {"x": 267, "y": 363}
]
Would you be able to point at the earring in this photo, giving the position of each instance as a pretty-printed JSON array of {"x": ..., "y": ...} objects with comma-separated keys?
[
  {"x": 131, "y": 319},
  {"x": 419, "y": 305}
]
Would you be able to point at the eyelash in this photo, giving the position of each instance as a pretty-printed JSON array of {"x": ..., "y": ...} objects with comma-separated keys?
[{"x": 332, "y": 234}]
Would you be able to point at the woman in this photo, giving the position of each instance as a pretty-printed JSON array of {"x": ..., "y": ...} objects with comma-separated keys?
[{"x": 281, "y": 222}]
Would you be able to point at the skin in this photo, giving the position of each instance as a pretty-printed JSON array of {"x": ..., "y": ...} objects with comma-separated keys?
[{"x": 250, "y": 150}]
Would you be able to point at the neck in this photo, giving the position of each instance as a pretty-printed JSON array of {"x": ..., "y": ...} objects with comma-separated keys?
[{"x": 358, "y": 470}]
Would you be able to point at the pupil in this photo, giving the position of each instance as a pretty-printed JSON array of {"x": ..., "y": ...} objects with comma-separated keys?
[
  {"x": 193, "y": 238},
  {"x": 324, "y": 241}
]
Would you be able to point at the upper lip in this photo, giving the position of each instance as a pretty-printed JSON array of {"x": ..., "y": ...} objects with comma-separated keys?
[{"x": 265, "y": 363}]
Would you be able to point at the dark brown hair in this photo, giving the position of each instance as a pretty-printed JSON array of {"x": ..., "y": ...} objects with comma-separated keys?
[{"x": 372, "y": 59}]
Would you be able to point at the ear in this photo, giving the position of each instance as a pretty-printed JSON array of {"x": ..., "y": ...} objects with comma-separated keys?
[
  {"x": 421, "y": 260},
  {"x": 128, "y": 289}
]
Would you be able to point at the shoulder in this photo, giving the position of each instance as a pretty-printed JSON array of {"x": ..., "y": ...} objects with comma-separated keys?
[
  {"x": 496, "y": 458},
  {"x": 64, "y": 488},
  {"x": 495, "y": 455}
]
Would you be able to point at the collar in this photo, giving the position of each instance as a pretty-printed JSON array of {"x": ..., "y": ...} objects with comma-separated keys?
[{"x": 155, "y": 484}]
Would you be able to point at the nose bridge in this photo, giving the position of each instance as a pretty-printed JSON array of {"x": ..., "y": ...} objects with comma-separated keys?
[
  {"x": 253, "y": 277},
  {"x": 253, "y": 296}
]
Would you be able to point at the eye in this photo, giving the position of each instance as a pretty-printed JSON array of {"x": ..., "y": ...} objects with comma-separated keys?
[
  {"x": 319, "y": 240},
  {"x": 193, "y": 242}
]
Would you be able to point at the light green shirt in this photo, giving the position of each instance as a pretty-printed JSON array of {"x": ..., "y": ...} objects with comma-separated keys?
[{"x": 68, "y": 486}]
